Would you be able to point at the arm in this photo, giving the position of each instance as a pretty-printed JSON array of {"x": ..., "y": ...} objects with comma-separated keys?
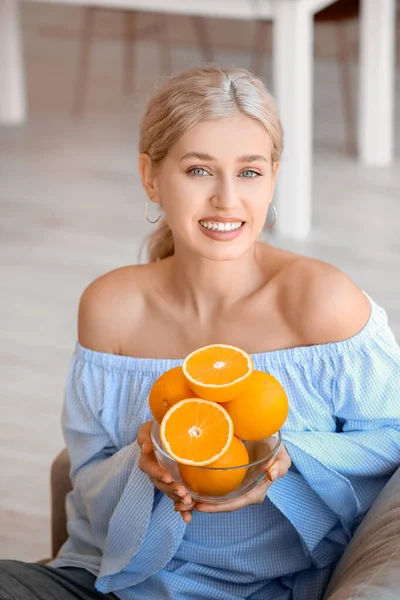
[
  {"x": 338, "y": 475},
  {"x": 361, "y": 381},
  {"x": 355, "y": 374},
  {"x": 99, "y": 471},
  {"x": 102, "y": 473},
  {"x": 113, "y": 511}
]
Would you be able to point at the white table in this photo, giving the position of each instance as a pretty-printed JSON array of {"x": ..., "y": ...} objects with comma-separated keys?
[{"x": 293, "y": 81}]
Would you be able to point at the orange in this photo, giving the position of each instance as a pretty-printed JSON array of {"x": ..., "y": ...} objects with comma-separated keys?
[
  {"x": 209, "y": 480},
  {"x": 261, "y": 409},
  {"x": 169, "y": 389},
  {"x": 217, "y": 372},
  {"x": 196, "y": 431}
]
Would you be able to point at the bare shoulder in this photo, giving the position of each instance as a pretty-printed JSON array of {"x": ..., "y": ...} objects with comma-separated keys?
[
  {"x": 322, "y": 303},
  {"x": 105, "y": 305}
]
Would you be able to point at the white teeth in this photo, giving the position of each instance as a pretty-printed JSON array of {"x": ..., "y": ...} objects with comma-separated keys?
[{"x": 213, "y": 226}]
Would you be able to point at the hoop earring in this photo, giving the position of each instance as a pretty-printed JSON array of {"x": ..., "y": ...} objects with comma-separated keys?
[
  {"x": 275, "y": 218},
  {"x": 147, "y": 216}
]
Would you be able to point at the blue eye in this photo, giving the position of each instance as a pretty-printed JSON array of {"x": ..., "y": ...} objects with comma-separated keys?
[
  {"x": 249, "y": 173},
  {"x": 198, "y": 171}
]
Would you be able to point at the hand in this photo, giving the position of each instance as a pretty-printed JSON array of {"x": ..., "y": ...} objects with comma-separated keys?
[
  {"x": 159, "y": 477},
  {"x": 257, "y": 495}
]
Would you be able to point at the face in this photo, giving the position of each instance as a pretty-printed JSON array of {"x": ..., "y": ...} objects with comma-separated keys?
[{"x": 215, "y": 186}]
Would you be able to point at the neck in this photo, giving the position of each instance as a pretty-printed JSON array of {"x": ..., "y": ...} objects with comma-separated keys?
[{"x": 207, "y": 286}]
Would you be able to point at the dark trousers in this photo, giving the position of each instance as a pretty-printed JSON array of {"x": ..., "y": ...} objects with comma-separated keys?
[{"x": 32, "y": 581}]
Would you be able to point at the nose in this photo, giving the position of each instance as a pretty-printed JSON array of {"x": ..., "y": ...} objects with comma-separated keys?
[{"x": 225, "y": 195}]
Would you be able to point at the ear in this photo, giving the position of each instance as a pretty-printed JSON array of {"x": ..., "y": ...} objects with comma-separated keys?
[
  {"x": 147, "y": 174},
  {"x": 275, "y": 170}
]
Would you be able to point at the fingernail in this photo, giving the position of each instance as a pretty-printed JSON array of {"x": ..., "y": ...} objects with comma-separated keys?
[
  {"x": 144, "y": 447},
  {"x": 165, "y": 480},
  {"x": 274, "y": 474}
]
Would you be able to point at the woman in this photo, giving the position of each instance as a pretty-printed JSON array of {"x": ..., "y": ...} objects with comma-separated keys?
[{"x": 210, "y": 148}]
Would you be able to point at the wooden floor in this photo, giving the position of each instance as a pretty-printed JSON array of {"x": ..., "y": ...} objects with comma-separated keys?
[{"x": 71, "y": 208}]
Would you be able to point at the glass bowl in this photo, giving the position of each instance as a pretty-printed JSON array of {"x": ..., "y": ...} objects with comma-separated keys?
[{"x": 242, "y": 478}]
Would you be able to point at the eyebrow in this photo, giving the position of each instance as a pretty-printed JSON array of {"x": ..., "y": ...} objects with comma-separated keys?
[{"x": 245, "y": 158}]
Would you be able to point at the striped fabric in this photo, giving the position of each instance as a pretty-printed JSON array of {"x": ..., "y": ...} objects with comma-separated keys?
[{"x": 343, "y": 434}]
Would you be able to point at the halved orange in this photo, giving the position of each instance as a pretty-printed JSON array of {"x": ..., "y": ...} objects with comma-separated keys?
[
  {"x": 217, "y": 372},
  {"x": 196, "y": 431}
]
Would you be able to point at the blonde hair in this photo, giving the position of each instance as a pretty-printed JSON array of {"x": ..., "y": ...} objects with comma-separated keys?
[{"x": 186, "y": 99}]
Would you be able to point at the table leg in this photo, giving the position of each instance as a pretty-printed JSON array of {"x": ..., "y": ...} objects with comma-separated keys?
[
  {"x": 377, "y": 85},
  {"x": 293, "y": 64},
  {"x": 12, "y": 84}
]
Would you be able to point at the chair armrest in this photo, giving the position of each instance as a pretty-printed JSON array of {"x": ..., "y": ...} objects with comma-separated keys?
[
  {"x": 370, "y": 567},
  {"x": 60, "y": 486}
]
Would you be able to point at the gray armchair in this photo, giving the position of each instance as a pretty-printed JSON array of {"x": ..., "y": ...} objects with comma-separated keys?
[{"x": 368, "y": 570}]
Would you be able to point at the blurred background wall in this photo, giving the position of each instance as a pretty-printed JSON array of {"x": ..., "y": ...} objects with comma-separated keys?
[{"x": 71, "y": 208}]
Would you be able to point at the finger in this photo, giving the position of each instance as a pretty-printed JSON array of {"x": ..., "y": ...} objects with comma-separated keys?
[
  {"x": 147, "y": 447},
  {"x": 144, "y": 437},
  {"x": 185, "y": 504},
  {"x": 184, "y": 510},
  {"x": 283, "y": 455},
  {"x": 186, "y": 516},
  {"x": 148, "y": 464},
  {"x": 178, "y": 492},
  {"x": 172, "y": 490},
  {"x": 281, "y": 465}
]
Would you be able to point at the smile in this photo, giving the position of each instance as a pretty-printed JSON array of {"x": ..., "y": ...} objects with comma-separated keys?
[{"x": 213, "y": 226}]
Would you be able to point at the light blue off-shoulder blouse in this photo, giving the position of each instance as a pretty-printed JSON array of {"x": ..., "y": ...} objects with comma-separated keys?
[{"x": 342, "y": 433}]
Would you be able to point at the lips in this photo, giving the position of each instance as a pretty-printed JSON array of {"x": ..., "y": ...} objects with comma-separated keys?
[{"x": 222, "y": 219}]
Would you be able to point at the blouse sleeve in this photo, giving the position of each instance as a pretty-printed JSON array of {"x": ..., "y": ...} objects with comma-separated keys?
[
  {"x": 114, "y": 500},
  {"x": 337, "y": 475}
]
